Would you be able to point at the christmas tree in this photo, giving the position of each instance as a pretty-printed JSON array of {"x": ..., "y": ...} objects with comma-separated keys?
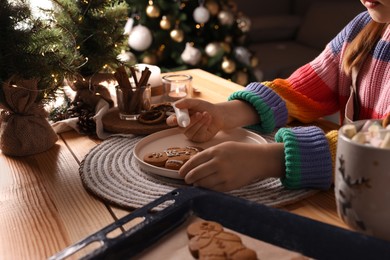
[
  {"x": 31, "y": 49},
  {"x": 184, "y": 34},
  {"x": 96, "y": 29}
]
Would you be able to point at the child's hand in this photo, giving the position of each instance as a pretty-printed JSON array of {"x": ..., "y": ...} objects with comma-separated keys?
[
  {"x": 206, "y": 119},
  {"x": 231, "y": 165}
]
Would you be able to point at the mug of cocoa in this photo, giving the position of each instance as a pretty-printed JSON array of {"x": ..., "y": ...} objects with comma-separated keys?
[{"x": 362, "y": 177}]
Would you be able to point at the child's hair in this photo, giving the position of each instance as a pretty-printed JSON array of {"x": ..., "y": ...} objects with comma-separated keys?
[{"x": 363, "y": 43}]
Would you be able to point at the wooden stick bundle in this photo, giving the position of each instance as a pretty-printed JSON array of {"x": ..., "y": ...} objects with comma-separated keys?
[{"x": 132, "y": 96}]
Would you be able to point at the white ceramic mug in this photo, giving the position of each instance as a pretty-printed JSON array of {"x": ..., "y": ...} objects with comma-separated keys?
[{"x": 362, "y": 186}]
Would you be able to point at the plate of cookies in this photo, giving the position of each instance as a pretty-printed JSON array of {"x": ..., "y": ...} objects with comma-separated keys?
[{"x": 164, "y": 152}]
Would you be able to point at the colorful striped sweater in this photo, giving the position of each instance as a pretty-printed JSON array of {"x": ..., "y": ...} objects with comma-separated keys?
[{"x": 318, "y": 89}]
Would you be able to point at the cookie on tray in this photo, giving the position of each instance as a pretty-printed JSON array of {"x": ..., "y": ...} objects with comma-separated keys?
[{"x": 209, "y": 240}]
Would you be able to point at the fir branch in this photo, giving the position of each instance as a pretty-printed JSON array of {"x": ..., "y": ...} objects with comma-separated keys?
[{"x": 69, "y": 8}]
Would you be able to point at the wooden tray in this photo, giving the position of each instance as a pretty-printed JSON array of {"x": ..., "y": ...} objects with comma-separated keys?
[{"x": 112, "y": 123}]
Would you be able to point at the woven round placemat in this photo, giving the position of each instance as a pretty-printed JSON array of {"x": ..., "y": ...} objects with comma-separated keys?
[{"x": 110, "y": 172}]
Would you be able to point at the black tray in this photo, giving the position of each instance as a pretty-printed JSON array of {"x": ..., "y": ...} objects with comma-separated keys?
[{"x": 281, "y": 228}]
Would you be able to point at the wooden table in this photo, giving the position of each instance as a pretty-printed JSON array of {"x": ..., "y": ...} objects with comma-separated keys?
[{"x": 44, "y": 207}]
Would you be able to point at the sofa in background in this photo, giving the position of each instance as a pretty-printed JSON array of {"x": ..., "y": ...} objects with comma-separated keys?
[{"x": 286, "y": 34}]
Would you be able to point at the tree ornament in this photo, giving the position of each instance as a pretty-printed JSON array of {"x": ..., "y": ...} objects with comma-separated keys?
[
  {"x": 128, "y": 26},
  {"x": 201, "y": 14},
  {"x": 228, "y": 65},
  {"x": 213, "y": 7},
  {"x": 244, "y": 23},
  {"x": 254, "y": 61},
  {"x": 191, "y": 55},
  {"x": 226, "y": 47},
  {"x": 153, "y": 11},
  {"x": 149, "y": 58},
  {"x": 243, "y": 55},
  {"x": 226, "y": 18},
  {"x": 177, "y": 34},
  {"x": 241, "y": 77},
  {"x": 127, "y": 57},
  {"x": 165, "y": 23},
  {"x": 212, "y": 49},
  {"x": 140, "y": 38}
]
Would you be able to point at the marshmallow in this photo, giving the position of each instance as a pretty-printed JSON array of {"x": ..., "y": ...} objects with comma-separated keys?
[{"x": 349, "y": 131}]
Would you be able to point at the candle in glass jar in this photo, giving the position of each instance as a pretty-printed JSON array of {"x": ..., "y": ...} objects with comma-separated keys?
[
  {"x": 176, "y": 86},
  {"x": 178, "y": 91}
]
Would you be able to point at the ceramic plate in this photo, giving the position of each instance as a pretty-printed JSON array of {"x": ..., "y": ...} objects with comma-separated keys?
[{"x": 174, "y": 137}]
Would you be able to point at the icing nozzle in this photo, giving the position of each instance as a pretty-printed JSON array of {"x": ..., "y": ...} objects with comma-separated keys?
[
  {"x": 182, "y": 116},
  {"x": 184, "y": 123}
]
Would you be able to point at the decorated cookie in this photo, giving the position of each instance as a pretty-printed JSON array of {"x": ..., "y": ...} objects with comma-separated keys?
[
  {"x": 171, "y": 158},
  {"x": 208, "y": 240},
  {"x": 203, "y": 226},
  {"x": 174, "y": 164},
  {"x": 156, "y": 158}
]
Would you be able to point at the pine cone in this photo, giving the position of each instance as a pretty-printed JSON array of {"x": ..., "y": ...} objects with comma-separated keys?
[{"x": 85, "y": 115}]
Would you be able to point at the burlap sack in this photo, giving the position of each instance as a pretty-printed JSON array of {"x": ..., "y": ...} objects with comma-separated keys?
[{"x": 24, "y": 128}]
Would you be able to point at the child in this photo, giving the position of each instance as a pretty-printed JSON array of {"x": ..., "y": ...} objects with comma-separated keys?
[{"x": 302, "y": 156}]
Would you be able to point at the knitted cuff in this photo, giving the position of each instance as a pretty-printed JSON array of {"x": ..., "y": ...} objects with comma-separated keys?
[
  {"x": 271, "y": 108},
  {"x": 332, "y": 137},
  {"x": 308, "y": 159}
]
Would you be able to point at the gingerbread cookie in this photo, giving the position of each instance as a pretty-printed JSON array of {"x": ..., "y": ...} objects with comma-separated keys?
[
  {"x": 156, "y": 158},
  {"x": 171, "y": 158},
  {"x": 208, "y": 240},
  {"x": 174, "y": 164}
]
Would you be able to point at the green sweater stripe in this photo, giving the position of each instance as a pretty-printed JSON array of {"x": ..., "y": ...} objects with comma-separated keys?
[{"x": 292, "y": 178}]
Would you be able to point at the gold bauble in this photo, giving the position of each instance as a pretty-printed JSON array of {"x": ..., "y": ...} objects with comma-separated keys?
[
  {"x": 241, "y": 78},
  {"x": 226, "y": 18},
  {"x": 165, "y": 23},
  {"x": 213, "y": 7},
  {"x": 149, "y": 59},
  {"x": 212, "y": 49},
  {"x": 152, "y": 11},
  {"x": 177, "y": 35},
  {"x": 228, "y": 66},
  {"x": 254, "y": 61},
  {"x": 226, "y": 47}
]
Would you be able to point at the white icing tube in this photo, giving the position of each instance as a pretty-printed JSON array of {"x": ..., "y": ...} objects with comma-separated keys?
[{"x": 183, "y": 118}]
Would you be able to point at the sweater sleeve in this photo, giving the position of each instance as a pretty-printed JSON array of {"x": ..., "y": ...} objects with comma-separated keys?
[
  {"x": 269, "y": 106},
  {"x": 308, "y": 158}
]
